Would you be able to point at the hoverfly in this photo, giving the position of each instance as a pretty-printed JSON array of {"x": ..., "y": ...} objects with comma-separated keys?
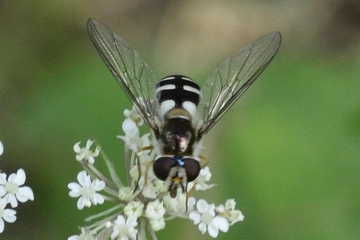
[{"x": 176, "y": 109}]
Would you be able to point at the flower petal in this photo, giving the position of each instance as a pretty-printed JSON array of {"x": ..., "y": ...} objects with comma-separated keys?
[
  {"x": 97, "y": 198},
  {"x": 98, "y": 185},
  {"x": 88, "y": 144},
  {"x": 221, "y": 223},
  {"x": 76, "y": 147},
  {"x": 132, "y": 221},
  {"x": 9, "y": 215},
  {"x": 10, "y": 198},
  {"x": 202, "y": 205},
  {"x": 75, "y": 189},
  {"x": 20, "y": 177},
  {"x": 2, "y": 191},
  {"x": 81, "y": 203},
  {"x": 3, "y": 178},
  {"x": 230, "y": 204},
  {"x": 24, "y": 194},
  {"x": 1, "y": 148},
  {"x": 2, "y": 225},
  {"x": 195, "y": 217},
  {"x": 213, "y": 231},
  {"x": 130, "y": 129},
  {"x": 83, "y": 178},
  {"x": 202, "y": 227}
]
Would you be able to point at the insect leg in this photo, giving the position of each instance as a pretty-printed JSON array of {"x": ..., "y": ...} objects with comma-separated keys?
[
  {"x": 205, "y": 161},
  {"x": 139, "y": 166}
]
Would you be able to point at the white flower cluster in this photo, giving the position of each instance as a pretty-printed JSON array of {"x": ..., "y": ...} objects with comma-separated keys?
[
  {"x": 145, "y": 203},
  {"x": 12, "y": 191}
]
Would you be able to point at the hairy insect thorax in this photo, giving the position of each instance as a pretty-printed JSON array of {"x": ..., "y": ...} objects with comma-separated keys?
[{"x": 178, "y": 137}]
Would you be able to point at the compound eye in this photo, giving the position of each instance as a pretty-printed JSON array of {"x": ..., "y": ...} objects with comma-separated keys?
[
  {"x": 192, "y": 169},
  {"x": 162, "y": 167}
]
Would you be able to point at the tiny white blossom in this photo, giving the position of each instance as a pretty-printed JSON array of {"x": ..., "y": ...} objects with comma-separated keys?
[
  {"x": 146, "y": 170},
  {"x": 146, "y": 175},
  {"x": 134, "y": 115},
  {"x": 125, "y": 193},
  {"x": 11, "y": 191},
  {"x": 134, "y": 173},
  {"x": 7, "y": 215},
  {"x": 204, "y": 176},
  {"x": 160, "y": 185},
  {"x": 207, "y": 219},
  {"x": 85, "y": 153},
  {"x": 85, "y": 235},
  {"x": 124, "y": 230},
  {"x": 144, "y": 142},
  {"x": 155, "y": 210},
  {"x": 131, "y": 137},
  {"x": 177, "y": 205},
  {"x": 134, "y": 208},
  {"x": 228, "y": 211},
  {"x": 157, "y": 224},
  {"x": 108, "y": 224},
  {"x": 1, "y": 148},
  {"x": 150, "y": 191},
  {"x": 86, "y": 190}
]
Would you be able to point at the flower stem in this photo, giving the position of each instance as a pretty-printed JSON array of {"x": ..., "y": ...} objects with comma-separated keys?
[
  {"x": 142, "y": 234},
  {"x": 127, "y": 164}
]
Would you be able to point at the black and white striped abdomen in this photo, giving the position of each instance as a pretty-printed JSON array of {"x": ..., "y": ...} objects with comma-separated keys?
[{"x": 178, "y": 91}]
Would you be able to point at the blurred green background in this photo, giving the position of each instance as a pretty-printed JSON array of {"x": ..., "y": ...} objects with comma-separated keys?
[{"x": 288, "y": 152}]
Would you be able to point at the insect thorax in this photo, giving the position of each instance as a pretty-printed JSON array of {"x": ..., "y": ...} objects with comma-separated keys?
[{"x": 178, "y": 137}]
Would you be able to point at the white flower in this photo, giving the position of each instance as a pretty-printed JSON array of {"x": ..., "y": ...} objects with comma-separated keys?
[
  {"x": 207, "y": 219},
  {"x": 150, "y": 191},
  {"x": 125, "y": 193},
  {"x": 146, "y": 175},
  {"x": 6, "y": 214},
  {"x": 145, "y": 200},
  {"x": 1, "y": 148},
  {"x": 158, "y": 224},
  {"x": 134, "y": 208},
  {"x": 177, "y": 205},
  {"x": 204, "y": 176},
  {"x": 86, "y": 190},
  {"x": 159, "y": 185},
  {"x": 85, "y": 153},
  {"x": 134, "y": 115},
  {"x": 134, "y": 174},
  {"x": 85, "y": 235},
  {"x": 131, "y": 137},
  {"x": 228, "y": 211},
  {"x": 144, "y": 142},
  {"x": 155, "y": 210},
  {"x": 124, "y": 230},
  {"x": 11, "y": 191}
]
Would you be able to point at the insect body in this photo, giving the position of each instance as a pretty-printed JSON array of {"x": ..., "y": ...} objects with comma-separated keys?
[
  {"x": 178, "y": 97},
  {"x": 177, "y": 110}
]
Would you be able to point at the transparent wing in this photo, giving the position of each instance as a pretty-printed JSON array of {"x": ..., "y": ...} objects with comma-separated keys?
[
  {"x": 130, "y": 70},
  {"x": 234, "y": 76}
]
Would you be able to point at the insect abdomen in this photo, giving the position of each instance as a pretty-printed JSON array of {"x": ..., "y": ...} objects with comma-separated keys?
[{"x": 178, "y": 92}]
